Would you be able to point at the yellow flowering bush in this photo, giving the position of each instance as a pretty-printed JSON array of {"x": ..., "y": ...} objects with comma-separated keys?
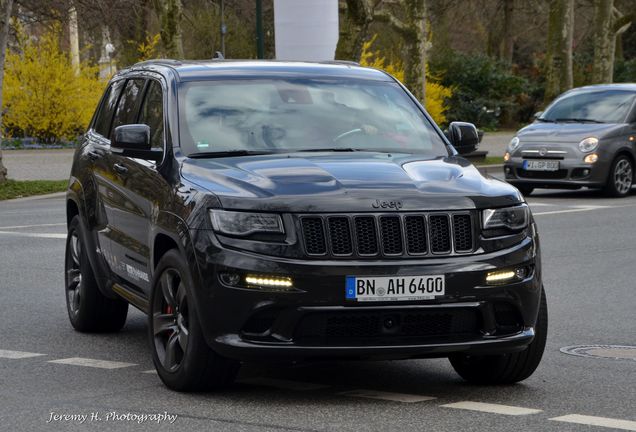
[
  {"x": 44, "y": 98},
  {"x": 436, "y": 94}
]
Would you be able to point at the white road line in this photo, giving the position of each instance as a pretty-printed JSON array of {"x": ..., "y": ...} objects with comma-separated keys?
[
  {"x": 42, "y": 235},
  {"x": 31, "y": 226},
  {"x": 150, "y": 371},
  {"x": 18, "y": 354},
  {"x": 565, "y": 211},
  {"x": 283, "y": 384},
  {"x": 492, "y": 408},
  {"x": 394, "y": 397},
  {"x": 102, "y": 364},
  {"x": 597, "y": 421},
  {"x": 540, "y": 204}
]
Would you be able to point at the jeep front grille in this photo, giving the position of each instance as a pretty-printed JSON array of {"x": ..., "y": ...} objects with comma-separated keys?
[{"x": 388, "y": 235}]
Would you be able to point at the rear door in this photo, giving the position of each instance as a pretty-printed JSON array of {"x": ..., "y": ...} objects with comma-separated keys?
[
  {"x": 143, "y": 189},
  {"x": 97, "y": 151}
]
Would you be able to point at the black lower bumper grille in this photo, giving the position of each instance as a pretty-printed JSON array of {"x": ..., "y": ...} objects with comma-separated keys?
[
  {"x": 387, "y": 327},
  {"x": 547, "y": 175}
]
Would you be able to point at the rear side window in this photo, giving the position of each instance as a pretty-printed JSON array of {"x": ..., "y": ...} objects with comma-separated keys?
[
  {"x": 103, "y": 120},
  {"x": 127, "y": 107},
  {"x": 152, "y": 114}
]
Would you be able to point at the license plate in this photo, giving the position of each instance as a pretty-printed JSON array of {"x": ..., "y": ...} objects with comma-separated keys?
[
  {"x": 397, "y": 288},
  {"x": 541, "y": 165}
]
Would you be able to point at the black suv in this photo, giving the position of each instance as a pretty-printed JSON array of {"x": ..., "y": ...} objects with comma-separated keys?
[{"x": 296, "y": 211}]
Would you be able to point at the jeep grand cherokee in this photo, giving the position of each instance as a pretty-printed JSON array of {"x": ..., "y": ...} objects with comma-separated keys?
[{"x": 269, "y": 211}]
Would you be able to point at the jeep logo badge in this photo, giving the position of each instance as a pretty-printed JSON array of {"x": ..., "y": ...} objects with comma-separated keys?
[{"x": 387, "y": 204}]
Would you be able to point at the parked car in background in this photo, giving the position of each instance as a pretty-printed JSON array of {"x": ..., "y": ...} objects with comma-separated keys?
[{"x": 585, "y": 138}]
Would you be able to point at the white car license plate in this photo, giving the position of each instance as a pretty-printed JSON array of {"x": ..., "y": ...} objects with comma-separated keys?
[
  {"x": 395, "y": 288},
  {"x": 541, "y": 165}
]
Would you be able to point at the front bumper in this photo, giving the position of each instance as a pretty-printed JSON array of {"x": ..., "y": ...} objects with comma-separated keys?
[
  {"x": 572, "y": 173},
  {"x": 316, "y": 321}
]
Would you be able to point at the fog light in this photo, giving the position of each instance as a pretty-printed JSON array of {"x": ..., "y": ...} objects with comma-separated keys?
[
  {"x": 521, "y": 272},
  {"x": 507, "y": 170},
  {"x": 269, "y": 281},
  {"x": 231, "y": 279},
  {"x": 591, "y": 158},
  {"x": 500, "y": 276},
  {"x": 506, "y": 157}
]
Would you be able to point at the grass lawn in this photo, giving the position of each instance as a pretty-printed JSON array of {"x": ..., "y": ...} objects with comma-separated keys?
[
  {"x": 490, "y": 160},
  {"x": 23, "y": 188}
]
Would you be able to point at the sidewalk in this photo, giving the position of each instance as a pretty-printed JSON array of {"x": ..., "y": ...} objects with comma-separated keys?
[
  {"x": 56, "y": 164},
  {"x": 38, "y": 164}
]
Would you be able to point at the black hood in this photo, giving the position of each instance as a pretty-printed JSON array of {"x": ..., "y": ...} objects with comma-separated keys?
[
  {"x": 567, "y": 132},
  {"x": 334, "y": 182}
]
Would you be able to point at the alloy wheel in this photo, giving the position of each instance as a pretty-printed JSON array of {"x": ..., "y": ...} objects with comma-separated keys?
[
  {"x": 170, "y": 323},
  {"x": 623, "y": 176},
  {"x": 74, "y": 273}
]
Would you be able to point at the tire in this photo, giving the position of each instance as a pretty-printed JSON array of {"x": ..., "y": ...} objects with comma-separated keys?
[
  {"x": 506, "y": 368},
  {"x": 88, "y": 309},
  {"x": 525, "y": 190},
  {"x": 620, "y": 177},
  {"x": 183, "y": 360}
]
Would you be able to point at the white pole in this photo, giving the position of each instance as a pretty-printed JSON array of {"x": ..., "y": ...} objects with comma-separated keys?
[{"x": 73, "y": 33}]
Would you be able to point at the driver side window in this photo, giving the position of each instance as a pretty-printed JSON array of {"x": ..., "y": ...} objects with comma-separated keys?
[{"x": 152, "y": 114}]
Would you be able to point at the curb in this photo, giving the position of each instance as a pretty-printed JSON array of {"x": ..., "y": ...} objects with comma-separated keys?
[{"x": 35, "y": 197}]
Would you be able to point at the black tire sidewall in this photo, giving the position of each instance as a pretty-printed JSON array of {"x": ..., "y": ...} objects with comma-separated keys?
[{"x": 197, "y": 352}]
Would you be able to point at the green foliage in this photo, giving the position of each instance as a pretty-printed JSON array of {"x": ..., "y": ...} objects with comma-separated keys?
[
  {"x": 482, "y": 88},
  {"x": 17, "y": 189},
  {"x": 43, "y": 96},
  {"x": 625, "y": 71}
]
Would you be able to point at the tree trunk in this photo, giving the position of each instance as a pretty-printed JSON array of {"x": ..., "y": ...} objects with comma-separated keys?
[
  {"x": 508, "y": 38},
  {"x": 171, "y": 14},
  {"x": 6, "y": 7},
  {"x": 604, "y": 44},
  {"x": 558, "y": 68},
  {"x": 354, "y": 30},
  {"x": 415, "y": 44}
]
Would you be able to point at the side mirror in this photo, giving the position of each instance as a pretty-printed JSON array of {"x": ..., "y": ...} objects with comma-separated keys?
[
  {"x": 133, "y": 140},
  {"x": 463, "y": 136},
  {"x": 537, "y": 115}
]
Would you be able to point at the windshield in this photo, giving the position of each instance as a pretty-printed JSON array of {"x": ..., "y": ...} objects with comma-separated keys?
[
  {"x": 291, "y": 115},
  {"x": 609, "y": 106}
]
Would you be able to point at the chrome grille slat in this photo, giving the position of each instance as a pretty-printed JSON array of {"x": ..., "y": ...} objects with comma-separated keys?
[{"x": 390, "y": 235}]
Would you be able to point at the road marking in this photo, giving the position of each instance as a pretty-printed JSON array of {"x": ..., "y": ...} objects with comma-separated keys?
[
  {"x": 18, "y": 354},
  {"x": 381, "y": 395},
  {"x": 597, "y": 421},
  {"x": 31, "y": 226},
  {"x": 150, "y": 371},
  {"x": 566, "y": 211},
  {"x": 102, "y": 364},
  {"x": 283, "y": 384},
  {"x": 492, "y": 408},
  {"x": 540, "y": 204},
  {"x": 42, "y": 235}
]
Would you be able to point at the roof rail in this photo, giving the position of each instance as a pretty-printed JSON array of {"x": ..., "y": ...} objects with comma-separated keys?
[
  {"x": 342, "y": 62},
  {"x": 167, "y": 62}
]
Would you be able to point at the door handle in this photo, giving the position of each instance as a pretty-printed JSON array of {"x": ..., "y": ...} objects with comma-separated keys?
[
  {"x": 119, "y": 168},
  {"x": 93, "y": 155}
]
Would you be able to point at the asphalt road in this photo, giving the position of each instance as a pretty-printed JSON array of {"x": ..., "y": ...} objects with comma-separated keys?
[{"x": 589, "y": 244}]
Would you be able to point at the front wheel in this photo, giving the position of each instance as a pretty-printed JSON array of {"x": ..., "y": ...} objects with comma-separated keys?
[
  {"x": 620, "y": 178},
  {"x": 180, "y": 353},
  {"x": 506, "y": 368}
]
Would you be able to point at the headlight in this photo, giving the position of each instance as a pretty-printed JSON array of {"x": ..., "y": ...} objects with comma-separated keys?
[
  {"x": 243, "y": 223},
  {"x": 588, "y": 144},
  {"x": 514, "y": 218},
  {"x": 514, "y": 143}
]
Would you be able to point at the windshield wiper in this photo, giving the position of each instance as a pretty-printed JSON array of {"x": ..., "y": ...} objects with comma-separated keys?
[
  {"x": 228, "y": 153},
  {"x": 335, "y": 149},
  {"x": 578, "y": 120},
  {"x": 544, "y": 120}
]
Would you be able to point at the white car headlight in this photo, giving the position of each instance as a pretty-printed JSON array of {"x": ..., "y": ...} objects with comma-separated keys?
[
  {"x": 514, "y": 143},
  {"x": 588, "y": 144},
  {"x": 514, "y": 218},
  {"x": 244, "y": 223}
]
